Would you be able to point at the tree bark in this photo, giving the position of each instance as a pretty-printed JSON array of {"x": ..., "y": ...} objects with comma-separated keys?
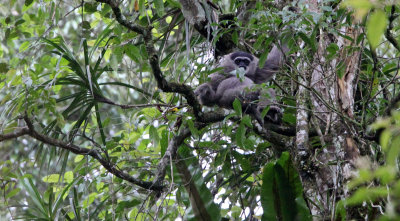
[{"x": 332, "y": 104}]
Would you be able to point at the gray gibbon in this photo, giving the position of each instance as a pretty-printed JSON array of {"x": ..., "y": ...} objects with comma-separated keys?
[{"x": 224, "y": 87}]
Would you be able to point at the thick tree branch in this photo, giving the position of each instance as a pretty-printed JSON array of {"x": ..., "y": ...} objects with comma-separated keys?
[
  {"x": 110, "y": 167},
  {"x": 166, "y": 86},
  {"x": 279, "y": 142},
  {"x": 121, "y": 18},
  {"x": 15, "y": 134},
  {"x": 194, "y": 14},
  {"x": 154, "y": 61}
]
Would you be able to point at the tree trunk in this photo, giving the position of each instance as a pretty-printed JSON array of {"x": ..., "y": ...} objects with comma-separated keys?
[{"x": 331, "y": 103}]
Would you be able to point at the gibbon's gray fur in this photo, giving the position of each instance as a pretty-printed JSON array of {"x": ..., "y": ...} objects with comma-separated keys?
[
  {"x": 223, "y": 88},
  {"x": 266, "y": 99},
  {"x": 232, "y": 88},
  {"x": 271, "y": 66},
  {"x": 207, "y": 93},
  {"x": 235, "y": 88}
]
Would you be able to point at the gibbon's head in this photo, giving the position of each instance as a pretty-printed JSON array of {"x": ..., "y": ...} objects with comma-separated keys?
[{"x": 240, "y": 59}]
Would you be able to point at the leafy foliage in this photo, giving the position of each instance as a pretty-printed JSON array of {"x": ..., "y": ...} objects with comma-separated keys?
[
  {"x": 83, "y": 78},
  {"x": 281, "y": 192}
]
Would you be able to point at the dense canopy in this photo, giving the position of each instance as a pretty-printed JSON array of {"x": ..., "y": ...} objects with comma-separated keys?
[{"x": 99, "y": 120}]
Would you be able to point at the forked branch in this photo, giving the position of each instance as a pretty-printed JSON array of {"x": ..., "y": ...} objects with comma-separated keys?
[{"x": 109, "y": 166}]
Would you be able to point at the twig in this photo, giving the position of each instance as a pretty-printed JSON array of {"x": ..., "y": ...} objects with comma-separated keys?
[
  {"x": 130, "y": 106},
  {"x": 388, "y": 33},
  {"x": 162, "y": 83},
  {"x": 109, "y": 166}
]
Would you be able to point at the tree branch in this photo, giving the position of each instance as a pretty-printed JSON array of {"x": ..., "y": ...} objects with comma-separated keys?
[
  {"x": 110, "y": 167},
  {"x": 194, "y": 12},
  {"x": 388, "y": 33},
  {"x": 162, "y": 83},
  {"x": 170, "y": 154},
  {"x": 128, "y": 106},
  {"x": 121, "y": 18},
  {"x": 15, "y": 134}
]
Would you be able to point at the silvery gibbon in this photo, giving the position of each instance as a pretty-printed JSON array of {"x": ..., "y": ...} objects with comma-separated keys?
[{"x": 223, "y": 88}]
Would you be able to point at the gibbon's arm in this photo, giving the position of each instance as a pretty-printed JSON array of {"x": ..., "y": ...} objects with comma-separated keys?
[{"x": 271, "y": 66}]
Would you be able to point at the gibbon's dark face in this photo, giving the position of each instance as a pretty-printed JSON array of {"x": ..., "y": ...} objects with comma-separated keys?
[{"x": 242, "y": 59}]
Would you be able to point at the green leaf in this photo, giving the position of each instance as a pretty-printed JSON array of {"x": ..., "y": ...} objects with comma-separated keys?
[
  {"x": 285, "y": 195},
  {"x": 34, "y": 194},
  {"x": 61, "y": 197},
  {"x": 282, "y": 192},
  {"x": 386, "y": 174},
  {"x": 393, "y": 152},
  {"x": 303, "y": 210},
  {"x": 263, "y": 58},
  {"x": 4, "y": 67},
  {"x": 247, "y": 121},
  {"x": 307, "y": 40},
  {"x": 133, "y": 52},
  {"x": 341, "y": 210},
  {"x": 192, "y": 128},
  {"x": 358, "y": 4},
  {"x": 386, "y": 135},
  {"x": 242, "y": 160},
  {"x": 159, "y": 6},
  {"x": 259, "y": 41},
  {"x": 53, "y": 178},
  {"x": 24, "y": 46},
  {"x": 264, "y": 112},
  {"x": 192, "y": 179},
  {"x": 267, "y": 193},
  {"x": 80, "y": 121},
  {"x": 289, "y": 118},
  {"x": 237, "y": 106},
  {"x": 99, "y": 123},
  {"x": 154, "y": 135},
  {"x": 361, "y": 7},
  {"x": 127, "y": 204},
  {"x": 164, "y": 142},
  {"x": 68, "y": 176},
  {"x": 332, "y": 49},
  {"x": 28, "y": 2},
  {"x": 240, "y": 135},
  {"x": 142, "y": 7},
  {"x": 235, "y": 38},
  {"x": 366, "y": 194},
  {"x": 90, "y": 7},
  {"x": 75, "y": 205},
  {"x": 78, "y": 158},
  {"x": 376, "y": 25},
  {"x": 13, "y": 193},
  {"x": 86, "y": 25}
]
